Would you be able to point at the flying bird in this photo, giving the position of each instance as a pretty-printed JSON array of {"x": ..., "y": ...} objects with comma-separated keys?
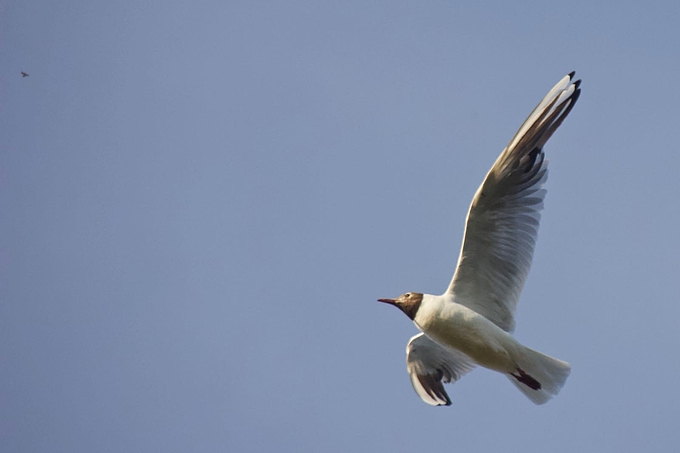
[
  {"x": 24, "y": 74},
  {"x": 471, "y": 324}
]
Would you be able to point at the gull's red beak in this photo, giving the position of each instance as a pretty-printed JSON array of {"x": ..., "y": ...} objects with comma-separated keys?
[{"x": 388, "y": 301}]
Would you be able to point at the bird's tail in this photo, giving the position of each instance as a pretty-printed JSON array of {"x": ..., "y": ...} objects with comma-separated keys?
[{"x": 539, "y": 376}]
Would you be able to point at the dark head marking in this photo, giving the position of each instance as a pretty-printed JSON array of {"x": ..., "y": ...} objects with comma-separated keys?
[{"x": 409, "y": 303}]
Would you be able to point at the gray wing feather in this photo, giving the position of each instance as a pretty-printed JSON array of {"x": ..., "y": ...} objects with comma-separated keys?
[
  {"x": 431, "y": 365},
  {"x": 502, "y": 223}
]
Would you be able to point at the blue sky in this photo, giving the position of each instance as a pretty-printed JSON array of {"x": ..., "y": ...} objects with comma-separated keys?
[{"x": 202, "y": 202}]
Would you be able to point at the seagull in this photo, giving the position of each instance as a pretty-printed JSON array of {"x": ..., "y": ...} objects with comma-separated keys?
[
  {"x": 471, "y": 324},
  {"x": 24, "y": 74}
]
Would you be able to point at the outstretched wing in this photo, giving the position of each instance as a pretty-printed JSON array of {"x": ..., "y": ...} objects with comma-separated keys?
[
  {"x": 431, "y": 365},
  {"x": 502, "y": 223}
]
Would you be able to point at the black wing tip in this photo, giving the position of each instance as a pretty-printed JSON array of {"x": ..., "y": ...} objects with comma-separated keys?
[
  {"x": 442, "y": 395},
  {"x": 575, "y": 95},
  {"x": 577, "y": 83},
  {"x": 433, "y": 386},
  {"x": 442, "y": 403}
]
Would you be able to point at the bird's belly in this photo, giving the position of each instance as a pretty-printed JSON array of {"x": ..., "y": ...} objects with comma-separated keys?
[{"x": 484, "y": 342}]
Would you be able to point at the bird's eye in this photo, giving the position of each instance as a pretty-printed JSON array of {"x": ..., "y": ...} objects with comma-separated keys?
[{"x": 407, "y": 295}]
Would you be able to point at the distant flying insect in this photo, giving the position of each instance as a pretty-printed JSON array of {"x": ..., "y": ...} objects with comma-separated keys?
[{"x": 24, "y": 74}]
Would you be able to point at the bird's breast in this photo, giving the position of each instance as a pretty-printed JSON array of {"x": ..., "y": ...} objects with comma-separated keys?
[{"x": 461, "y": 328}]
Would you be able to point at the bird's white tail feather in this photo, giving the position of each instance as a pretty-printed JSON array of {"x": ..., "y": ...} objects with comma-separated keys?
[{"x": 551, "y": 374}]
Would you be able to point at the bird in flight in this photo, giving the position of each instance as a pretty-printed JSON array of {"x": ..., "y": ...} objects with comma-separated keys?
[
  {"x": 471, "y": 324},
  {"x": 24, "y": 74}
]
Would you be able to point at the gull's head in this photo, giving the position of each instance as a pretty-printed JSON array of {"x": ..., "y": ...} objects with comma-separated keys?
[{"x": 409, "y": 303}]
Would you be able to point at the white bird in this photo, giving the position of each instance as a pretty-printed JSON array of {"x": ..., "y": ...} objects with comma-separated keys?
[{"x": 471, "y": 323}]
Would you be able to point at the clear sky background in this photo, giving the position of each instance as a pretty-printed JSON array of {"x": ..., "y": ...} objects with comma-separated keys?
[{"x": 200, "y": 203}]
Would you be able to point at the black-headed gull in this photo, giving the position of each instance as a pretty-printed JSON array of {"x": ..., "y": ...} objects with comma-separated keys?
[{"x": 471, "y": 323}]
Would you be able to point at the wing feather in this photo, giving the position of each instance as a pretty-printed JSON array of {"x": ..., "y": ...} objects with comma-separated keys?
[
  {"x": 431, "y": 366},
  {"x": 503, "y": 219}
]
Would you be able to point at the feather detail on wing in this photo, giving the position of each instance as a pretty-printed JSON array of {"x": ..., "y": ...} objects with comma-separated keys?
[
  {"x": 502, "y": 223},
  {"x": 431, "y": 366}
]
